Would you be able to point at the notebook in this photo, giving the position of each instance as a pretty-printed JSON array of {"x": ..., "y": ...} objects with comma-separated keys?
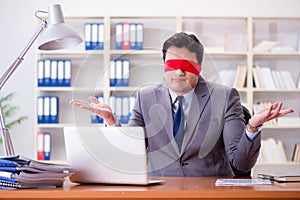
[{"x": 107, "y": 155}]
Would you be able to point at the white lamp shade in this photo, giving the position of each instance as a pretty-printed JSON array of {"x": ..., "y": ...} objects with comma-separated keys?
[{"x": 58, "y": 35}]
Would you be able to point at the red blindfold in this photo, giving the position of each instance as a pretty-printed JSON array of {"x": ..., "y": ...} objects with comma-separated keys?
[{"x": 184, "y": 65}]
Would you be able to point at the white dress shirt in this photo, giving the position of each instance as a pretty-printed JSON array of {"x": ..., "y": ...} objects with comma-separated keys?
[{"x": 186, "y": 106}]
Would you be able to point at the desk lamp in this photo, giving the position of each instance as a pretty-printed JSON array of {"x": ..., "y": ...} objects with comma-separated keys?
[{"x": 57, "y": 35}]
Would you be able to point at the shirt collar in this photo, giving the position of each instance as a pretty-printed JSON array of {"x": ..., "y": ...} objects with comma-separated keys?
[{"x": 187, "y": 97}]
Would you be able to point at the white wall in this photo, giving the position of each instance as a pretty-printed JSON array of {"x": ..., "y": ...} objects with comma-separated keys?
[{"x": 18, "y": 24}]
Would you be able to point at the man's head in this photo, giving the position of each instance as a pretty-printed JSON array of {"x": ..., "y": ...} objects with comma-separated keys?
[
  {"x": 182, "y": 56},
  {"x": 188, "y": 41}
]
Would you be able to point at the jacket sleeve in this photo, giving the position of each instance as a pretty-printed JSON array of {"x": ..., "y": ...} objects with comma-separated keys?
[{"x": 242, "y": 152}]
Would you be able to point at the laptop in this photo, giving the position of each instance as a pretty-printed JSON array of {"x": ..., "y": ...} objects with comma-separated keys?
[{"x": 107, "y": 155}]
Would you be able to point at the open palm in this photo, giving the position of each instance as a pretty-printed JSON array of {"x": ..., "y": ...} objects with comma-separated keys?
[{"x": 274, "y": 111}]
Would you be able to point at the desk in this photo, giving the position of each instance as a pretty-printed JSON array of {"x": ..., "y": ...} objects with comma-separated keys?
[{"x": 173, "y": 188}]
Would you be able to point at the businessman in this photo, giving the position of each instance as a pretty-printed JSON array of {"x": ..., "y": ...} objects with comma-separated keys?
[{"x": 193, "y": 127}]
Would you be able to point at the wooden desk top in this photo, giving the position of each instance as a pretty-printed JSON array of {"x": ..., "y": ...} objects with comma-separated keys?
[{"x": 173, "y": 188}]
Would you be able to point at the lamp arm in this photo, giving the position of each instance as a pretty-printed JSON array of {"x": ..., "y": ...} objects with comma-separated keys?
[
  {"x": 10, "y": 70},
  {"x": 8, "y": 146}
]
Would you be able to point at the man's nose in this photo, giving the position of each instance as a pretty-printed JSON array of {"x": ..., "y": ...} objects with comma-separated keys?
[{"x": 179, "y": 71}]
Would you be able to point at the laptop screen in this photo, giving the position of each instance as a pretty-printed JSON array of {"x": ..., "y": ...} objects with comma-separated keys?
[{"x": 107, "y": 154}]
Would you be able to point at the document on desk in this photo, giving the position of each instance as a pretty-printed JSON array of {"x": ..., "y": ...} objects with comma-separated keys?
[{"x": 242, "y": 182}]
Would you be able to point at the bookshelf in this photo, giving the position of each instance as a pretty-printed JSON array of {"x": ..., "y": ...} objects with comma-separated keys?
[
  {"x": 284, "y": 31},
  {"x": 228, "y": 41}
]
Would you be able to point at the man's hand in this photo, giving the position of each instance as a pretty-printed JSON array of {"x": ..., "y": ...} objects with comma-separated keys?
[
  {"x": 98, "y": 108},
  {"x": 274, "y": 111}
]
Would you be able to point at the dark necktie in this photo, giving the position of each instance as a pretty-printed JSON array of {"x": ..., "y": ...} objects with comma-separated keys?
[{"x": 178, "y": 127}]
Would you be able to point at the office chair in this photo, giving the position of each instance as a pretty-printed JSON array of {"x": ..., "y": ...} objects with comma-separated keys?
[{"x": 237, "y": 172}]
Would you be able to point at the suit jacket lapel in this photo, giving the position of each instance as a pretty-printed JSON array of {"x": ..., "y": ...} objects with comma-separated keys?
[
  {"x": 163, "y": 98},
  {"x": 200, "y": 99}
]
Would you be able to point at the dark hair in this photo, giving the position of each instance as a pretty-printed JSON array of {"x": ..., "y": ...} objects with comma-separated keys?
[{"x": 189, "y": 41}]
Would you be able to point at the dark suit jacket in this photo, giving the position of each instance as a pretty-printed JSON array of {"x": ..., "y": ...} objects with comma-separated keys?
[{"x": 215, "y": 135}]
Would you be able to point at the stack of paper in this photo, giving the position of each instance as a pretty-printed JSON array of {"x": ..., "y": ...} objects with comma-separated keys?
[
  {"x": 241, "y": 182},
  {"x": 20, "y": 172}
]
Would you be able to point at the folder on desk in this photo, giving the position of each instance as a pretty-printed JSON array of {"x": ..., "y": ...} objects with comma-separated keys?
[{"x": 241, "y": 182}]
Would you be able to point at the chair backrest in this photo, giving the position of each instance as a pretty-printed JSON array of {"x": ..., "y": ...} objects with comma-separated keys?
[{"x": 247, "y": 114}]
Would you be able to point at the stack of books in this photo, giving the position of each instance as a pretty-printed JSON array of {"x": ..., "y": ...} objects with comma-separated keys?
[
  {"x": 267, "y": 78},
  {"x": 20, "y": 172},
  {"x": 296, "y": 153}
]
